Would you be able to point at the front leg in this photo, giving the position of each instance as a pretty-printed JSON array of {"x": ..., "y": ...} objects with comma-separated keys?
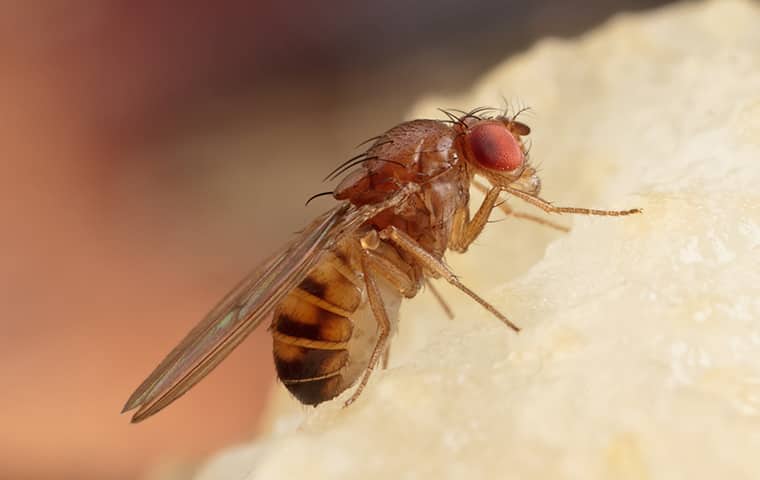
[
  {"x": 549, "y": 208},
  {"x": 465, "y": 230}
]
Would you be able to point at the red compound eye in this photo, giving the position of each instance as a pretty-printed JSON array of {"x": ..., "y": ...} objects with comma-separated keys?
[{"x": 494, "y": 147}]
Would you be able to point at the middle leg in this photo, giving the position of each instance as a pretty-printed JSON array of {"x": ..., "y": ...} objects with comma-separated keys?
[{"x": 438, "y": 268}]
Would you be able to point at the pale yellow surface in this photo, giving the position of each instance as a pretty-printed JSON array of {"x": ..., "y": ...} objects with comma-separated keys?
[{"x": 640, "y": 354}]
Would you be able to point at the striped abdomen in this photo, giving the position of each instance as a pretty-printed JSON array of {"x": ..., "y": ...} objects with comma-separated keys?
[{"x": 311, "y": 331}]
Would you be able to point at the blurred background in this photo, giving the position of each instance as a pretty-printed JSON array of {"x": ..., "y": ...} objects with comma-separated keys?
[{"x": 151, "y": 152}]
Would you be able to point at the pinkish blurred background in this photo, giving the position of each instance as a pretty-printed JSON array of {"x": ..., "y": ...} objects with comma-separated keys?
[{"x": 152, "y": 152}]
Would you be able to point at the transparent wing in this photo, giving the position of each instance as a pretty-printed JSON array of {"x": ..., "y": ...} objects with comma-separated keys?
[
  {"x": 239, "y": 313},
  {"x": 250, "y": 302}
]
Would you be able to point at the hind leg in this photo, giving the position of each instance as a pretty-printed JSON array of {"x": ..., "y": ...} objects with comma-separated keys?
[{"x": 383, "y": 326}]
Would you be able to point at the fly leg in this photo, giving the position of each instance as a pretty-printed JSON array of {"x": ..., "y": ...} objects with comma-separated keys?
[
  {"x": 549, "y": 208},
  {"x": 533, "y": 218},
  {"x": 525, "y": 216},
  {"x": 383, "y": 326},
  {"x": 403, "y": 283},
  {"x": 379, "y": 258},
  {"x": 438, "y": 268},
  {"x": 466, "y": 230}
]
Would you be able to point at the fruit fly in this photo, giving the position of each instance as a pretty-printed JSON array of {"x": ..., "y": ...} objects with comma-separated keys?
[{"x": 332, "y": 295}]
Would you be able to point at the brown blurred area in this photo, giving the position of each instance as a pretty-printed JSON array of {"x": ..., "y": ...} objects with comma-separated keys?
[{"x": 151, "y": 153}]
